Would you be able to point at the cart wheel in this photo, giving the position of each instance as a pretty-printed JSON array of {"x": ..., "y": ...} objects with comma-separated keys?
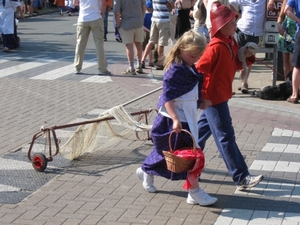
[{"x": 39, "y": 162}]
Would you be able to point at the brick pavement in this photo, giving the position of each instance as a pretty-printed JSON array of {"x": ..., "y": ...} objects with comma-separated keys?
[{"x": 102, "y": 188}]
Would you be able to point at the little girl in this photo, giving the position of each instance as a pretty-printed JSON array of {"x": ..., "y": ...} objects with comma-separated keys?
[{"x": 177, "y": 110}]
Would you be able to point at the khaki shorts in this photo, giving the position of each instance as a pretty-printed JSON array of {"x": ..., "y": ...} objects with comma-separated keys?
[
  {"x": 160, "y": 33},
  {"x": 131, "y": 36}
]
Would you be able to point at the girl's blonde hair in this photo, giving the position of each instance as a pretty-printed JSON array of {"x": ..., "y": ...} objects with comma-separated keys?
[{"x": 190, "y": 41}]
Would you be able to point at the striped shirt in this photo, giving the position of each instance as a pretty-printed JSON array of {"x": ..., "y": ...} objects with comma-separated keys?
[{"x": 160, "y": 11}]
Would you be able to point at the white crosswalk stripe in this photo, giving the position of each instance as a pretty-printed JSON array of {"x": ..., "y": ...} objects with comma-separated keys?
[
  {"x": 59, "y": 72},
  {"x": 64, "y": 71},
  {"x": 278, "y": 190},
  {"x": 98, "y": 79},
  {"x": 37, "y": 61}
]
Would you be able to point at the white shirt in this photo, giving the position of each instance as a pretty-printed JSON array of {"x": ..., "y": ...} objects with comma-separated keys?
[
  {"x": 90, "y": 10},
  {"x": 186, "y": 110},
  {"x": 253, "y": 16}
]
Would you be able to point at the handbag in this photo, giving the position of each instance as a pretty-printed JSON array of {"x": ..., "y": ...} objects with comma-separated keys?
[{"x": 183, "y": 159}]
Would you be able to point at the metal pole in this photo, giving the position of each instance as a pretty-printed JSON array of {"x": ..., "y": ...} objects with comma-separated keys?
[
  {"x": 142, "y": 96},
  {"x": 275, "y": 65}
]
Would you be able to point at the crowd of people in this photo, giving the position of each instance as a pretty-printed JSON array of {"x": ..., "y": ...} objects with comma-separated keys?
[{"x": 12, "y": 11}]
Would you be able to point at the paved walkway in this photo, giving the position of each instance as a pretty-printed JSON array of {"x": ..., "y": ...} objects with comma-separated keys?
[{"x": 102, "y": 188}]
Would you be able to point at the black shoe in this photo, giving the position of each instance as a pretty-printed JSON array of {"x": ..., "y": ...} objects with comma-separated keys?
[
  {"x": 118, "y": 39},
  {"x": 244, "y": 90}
]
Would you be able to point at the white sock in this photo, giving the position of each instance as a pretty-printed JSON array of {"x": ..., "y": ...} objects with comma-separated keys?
[{"x": 193, "y": 191}]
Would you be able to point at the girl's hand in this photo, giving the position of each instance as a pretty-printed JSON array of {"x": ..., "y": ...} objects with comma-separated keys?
[
  {"x": 177, "y": 126},
  {"x": 205, "y": 104}
]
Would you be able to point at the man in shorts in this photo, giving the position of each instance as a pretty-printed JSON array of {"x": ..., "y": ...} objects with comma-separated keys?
[
  {"x": 160, "y": 30},
  {"x": 131, "y": 30},
  {"x": 292, "y": 10},
  {"x": 28, "y": 7},
  {"x": 249, "y": 28}
]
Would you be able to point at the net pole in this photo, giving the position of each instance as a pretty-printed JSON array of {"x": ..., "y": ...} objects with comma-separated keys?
[{"x": 142, "y": 96}]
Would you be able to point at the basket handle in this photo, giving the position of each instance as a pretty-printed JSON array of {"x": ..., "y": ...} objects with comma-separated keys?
[{"x": 170, "y": 136}]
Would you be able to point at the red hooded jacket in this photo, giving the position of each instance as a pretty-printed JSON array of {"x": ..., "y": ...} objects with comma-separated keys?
[{"x": 219, "y": 65}]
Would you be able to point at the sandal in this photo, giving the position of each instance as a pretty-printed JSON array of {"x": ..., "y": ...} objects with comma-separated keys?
[
  {"x": 292, "y": 100},
  {"x": 245, "y": 85}
]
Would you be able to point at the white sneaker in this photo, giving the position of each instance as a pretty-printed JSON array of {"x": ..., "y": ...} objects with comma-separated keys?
[
  {"x": 147, "y": 180},
  {"x": 201, "y": 198},
  {"x": 249, "y": 182}
]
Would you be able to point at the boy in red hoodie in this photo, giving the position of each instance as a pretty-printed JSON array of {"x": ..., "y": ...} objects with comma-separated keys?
[{"x": 219, "y": 64}]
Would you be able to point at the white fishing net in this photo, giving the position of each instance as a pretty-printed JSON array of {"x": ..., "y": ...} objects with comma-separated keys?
[
  {"x": 100, "y": 132},
  {"x": 87, "y": 135}
]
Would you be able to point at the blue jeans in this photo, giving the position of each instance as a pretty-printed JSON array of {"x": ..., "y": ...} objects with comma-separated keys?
[
  {"x": 216, "y": 120},
  {"x": 105, "y": 19}
]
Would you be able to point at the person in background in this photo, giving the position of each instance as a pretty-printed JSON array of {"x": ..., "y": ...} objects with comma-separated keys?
[
  {"x": 177, "y": 110},
  {"x": 250, "y": 28},
  {"x": 129, "y": 19},
  {"x": 292, "y": 10},
  {"x": 8, "y": 27},
  {"x": 173, "y": 20},
  {"x": 70, "y": 7},
  {"x": 199, "y": 14},
  {"x": 117, "y": 33},
  {"x": 217, "y": 87},
  {"x": 160, "y": 31},
  {"x": 109, "y": 4},
  {"x": 28, "y": 7},
  {"x": 147, "y": 27},
  {"x": 90, "y": 19},
  {"x": 183, "y": 10},
  {"x": 287, "y": 29},
  {"x": 60, "y": 4}
]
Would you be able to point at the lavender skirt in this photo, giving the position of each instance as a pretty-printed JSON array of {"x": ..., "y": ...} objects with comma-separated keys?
[{"x": 155, "y": 163}]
